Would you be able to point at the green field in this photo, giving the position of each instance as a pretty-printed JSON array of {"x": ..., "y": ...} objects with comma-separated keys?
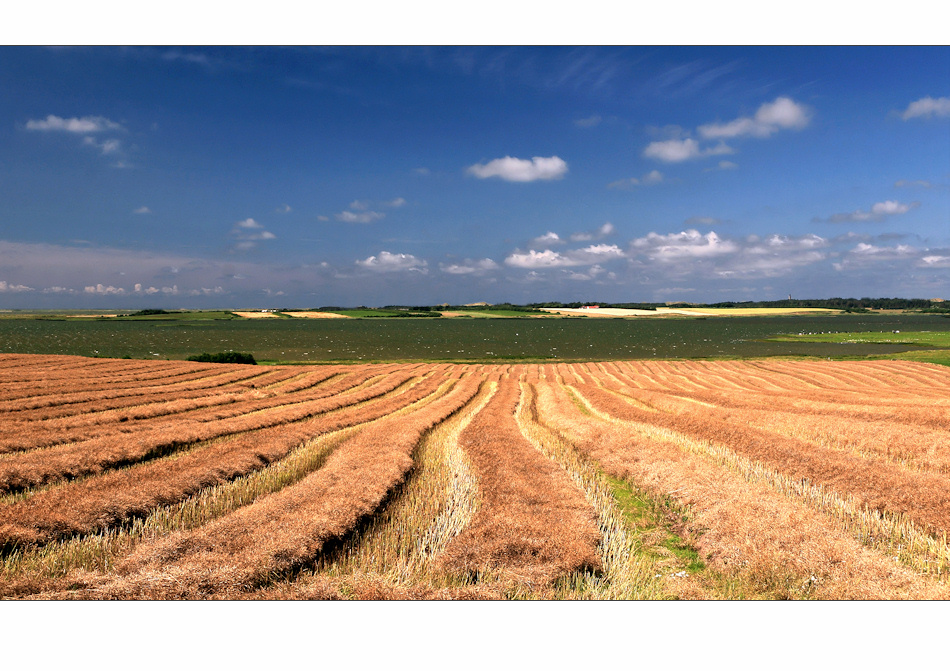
[
  {"x": 523, "y": 338},
  {"x": 896, "y": 337}
]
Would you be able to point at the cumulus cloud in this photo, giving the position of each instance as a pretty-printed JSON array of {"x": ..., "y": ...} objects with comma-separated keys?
[
  {"x": 513, "y": 169},
  {"x": 86, "y": 124},
  {"x": 781, "y": 114},
  {"x": 534, "y": 259},
  {"x": 469, "y": 267},
  {"x": 927, "y": 107},
  {"x": 6, "y": 287},
  {"x": 877, "y": 212},
  {"x": 105, "y": 290},
  {"x": 387, "y": 262},
  {"x": 249, "y": 233},
  {"x": 676, "y": 151},
  {"x": 690, "y": 254},
  {"x": 686, "y": 244}
]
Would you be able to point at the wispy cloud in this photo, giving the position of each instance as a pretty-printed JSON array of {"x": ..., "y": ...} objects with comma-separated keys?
[
  {"x": 469, "y": 267},
  {"x": 81, "y": 125},
  {"x": 676, "y": 151},
  {"x": 927, "y": 108},
  {"x": 359, "y": 211},
  {"x": 366, "y": 217},
  {"x": 597, "y": 234},
  {"x": 546, "y": 240},
  {"x": 902, "y": 183},
  {"x": 878, "y": 212},
  {"x": 513, "y": 169},
  {"x": 283, "y": 209},
  {"x": 588, "y": 122},
  {"x": 649, "y": 179},
  {"x": 248, "y": 234},
  {"x": 142, "y": 210}
]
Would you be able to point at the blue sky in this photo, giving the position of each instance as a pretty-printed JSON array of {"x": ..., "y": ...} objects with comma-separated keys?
[{"x": 299, "y": 177}]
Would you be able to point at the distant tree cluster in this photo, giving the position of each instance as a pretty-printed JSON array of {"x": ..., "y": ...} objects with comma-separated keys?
[
  {"x": 148, "y": 312},
  {"x": 224, "y": 357}
]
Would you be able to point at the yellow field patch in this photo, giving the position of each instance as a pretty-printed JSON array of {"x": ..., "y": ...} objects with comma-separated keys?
[{"x": 315, "y": 315}]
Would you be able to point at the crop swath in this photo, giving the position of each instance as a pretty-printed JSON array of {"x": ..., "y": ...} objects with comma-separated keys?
[{"x": 627, "y": 479}]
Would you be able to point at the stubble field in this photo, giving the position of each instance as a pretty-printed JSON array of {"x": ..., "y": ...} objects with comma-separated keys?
[{"x": 124, "y": 479}]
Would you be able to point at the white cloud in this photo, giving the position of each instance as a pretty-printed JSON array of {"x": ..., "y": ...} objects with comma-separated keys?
[
  {"x": 781, "y": 114},
  {"x": 396, "y": 202},
  {"x": 86, "y": 124},
  {"x": 935, "y": 261},
  {"x": 686, "y": 244},
  {"x": 366, "y": 217},
  {"x": 283, "y": 209},
  {"x": 918, "y": 182},
  {"x": 676, "y": 151},
  {"x": 877, "y": 212},
  {"x": 13, "y": 288},
  {"x": 104, "y": 290},
  {"x": 106, "y": 147},
  {"x": 589, "y": 122},
  {"x": 602, "y": 232},
  {"x": 142, "y": 210},
  {"x": 513, "y": 169},
  {"x": 549, "y": 238},
  {"x": 927, "y": 107},
  {"x": 534, "y": 259},
  {"x": 649, "y": 179},
  {"x": 387, "y": 262},
  {"x": 551, "y": 259},
  {"x": 248, "y": 233},
  {"x": 469, "y": 267},
  {"x": 359, "y": 205}
]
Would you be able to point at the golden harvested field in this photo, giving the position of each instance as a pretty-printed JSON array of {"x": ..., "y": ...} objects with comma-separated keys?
[{"x": 125, "y": 479}]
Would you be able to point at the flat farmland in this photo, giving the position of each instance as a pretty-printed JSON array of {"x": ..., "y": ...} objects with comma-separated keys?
[
  {"x": 625, "y": 479},
  {"x": 295, "y": 340}
]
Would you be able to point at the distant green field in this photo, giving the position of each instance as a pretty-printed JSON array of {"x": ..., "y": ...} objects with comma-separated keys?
[
  {"x": 895, "y": 337},
  {"x": 460, "y": 339},
  {"x": 930, "y": 339}
]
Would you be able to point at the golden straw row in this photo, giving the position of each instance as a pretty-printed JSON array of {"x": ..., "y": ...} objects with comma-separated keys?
[
  {"x": 769, "y": 544},
  {"x": 39, "y": 467},
  {"x": 98, "y": 502},
  {"x": 35, "y": 435},
  {"x": 286, "y": 530},
  {"x": 923, "y": 497}
]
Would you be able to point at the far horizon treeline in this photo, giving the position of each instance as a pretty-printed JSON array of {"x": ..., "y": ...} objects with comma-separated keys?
[{"x": 848, "y": 304}]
